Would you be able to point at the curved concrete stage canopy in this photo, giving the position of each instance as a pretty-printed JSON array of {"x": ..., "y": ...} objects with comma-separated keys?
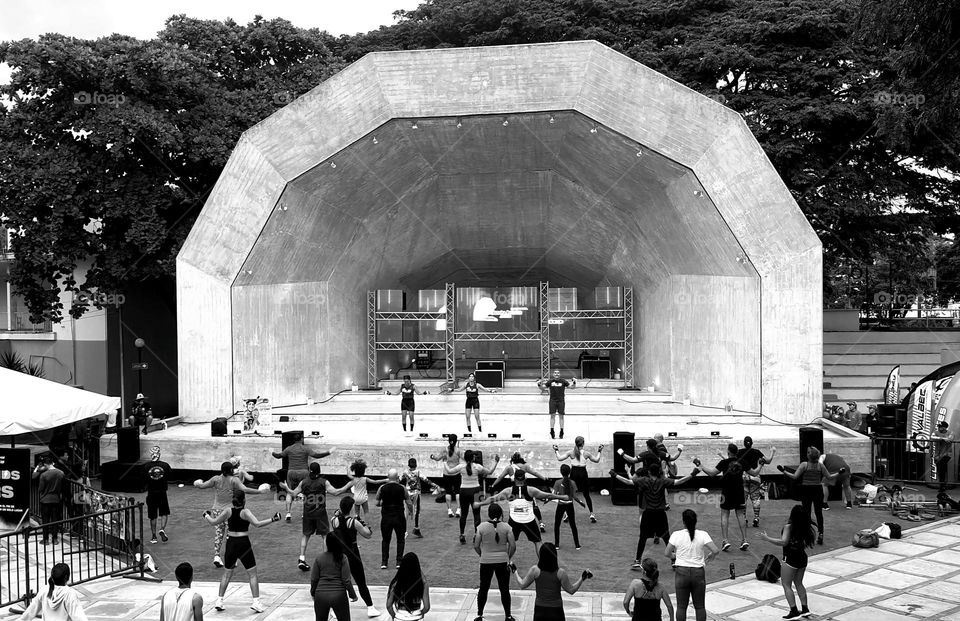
[{"x": 565, "y": 162}]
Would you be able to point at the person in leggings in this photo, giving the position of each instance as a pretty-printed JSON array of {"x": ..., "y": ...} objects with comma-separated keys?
[
  {"x": 812, "y": 474},
  {"x": 504, "y": 481},
  {"x": 795, "y": 538},
  {"x": 494, "y": 543},
  {"x": 565, "y": 513},
  {"x": 345, "y": 526},
  {"x": 225, "y": 484},
  {"x": 330, "y": 582},
  {"x": 550, "y": 579},
  {"x": 690, "y": 550},
  {"x": 451, "y": 484},
  {"x": 394, "y": 501},
  {"x": 579, "y": 458},
  {"x": 473, "y": 474}
]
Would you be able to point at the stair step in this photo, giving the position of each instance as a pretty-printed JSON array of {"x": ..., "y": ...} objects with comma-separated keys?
[
  {"x": 891, "y": 359},
  {"x": 893, "y": 336},
  {"x": 888, "y": 348}
]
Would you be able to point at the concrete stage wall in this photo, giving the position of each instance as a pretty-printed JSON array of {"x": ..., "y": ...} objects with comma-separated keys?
[{"x": 563, "y": 162}]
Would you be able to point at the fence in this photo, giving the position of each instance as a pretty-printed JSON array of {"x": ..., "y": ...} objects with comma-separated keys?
[
  {"x": 96, "y": 540},
  {"x": 912, "y": 460}
]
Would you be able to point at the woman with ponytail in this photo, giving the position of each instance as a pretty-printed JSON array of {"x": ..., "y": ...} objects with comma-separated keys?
[
  {"x": 59, "y": 602},
  {"x": 646, "y": 594},
  {"x": 691, "y": 550},
  {"x": 565, "y": 513},
  {"x": 579, "y": 458},
  {"x": 473, "y": 475},
  {"x": 451, "y": 483},
  {"x": 495, "y": 544}
]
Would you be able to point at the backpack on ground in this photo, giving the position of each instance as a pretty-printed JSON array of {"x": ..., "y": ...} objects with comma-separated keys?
[
  {"x": 866, "y": 538},
  {"x": 896, "y": 532},
  {"x": 768, "y": 569}
]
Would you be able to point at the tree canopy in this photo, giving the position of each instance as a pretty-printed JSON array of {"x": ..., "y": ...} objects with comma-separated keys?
[{"x": 848, "y": 107}]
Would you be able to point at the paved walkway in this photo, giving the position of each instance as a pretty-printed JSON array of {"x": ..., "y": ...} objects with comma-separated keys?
[{"x": 917, "y": 577}]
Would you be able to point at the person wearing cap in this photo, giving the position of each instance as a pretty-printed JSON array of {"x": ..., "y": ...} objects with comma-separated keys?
[
  {"x": 297, "y": 456},
  {"x": 158, "y": 471},
  {"x": 942, "y": 451},
  {"x": 141, "y": 414},
  {"x": 315, "y": 522},
  {"x": 852, "y": 418}
]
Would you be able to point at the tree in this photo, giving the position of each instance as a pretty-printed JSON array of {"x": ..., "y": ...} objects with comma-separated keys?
[{"x": 110, "y": 147}]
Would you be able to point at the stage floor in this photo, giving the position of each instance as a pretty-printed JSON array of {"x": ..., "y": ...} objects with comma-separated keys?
[{"x": 379, "y": 438}]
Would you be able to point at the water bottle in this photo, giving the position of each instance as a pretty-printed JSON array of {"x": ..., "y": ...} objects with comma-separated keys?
[
  {"x": 729, "y": 406},
  {"x": 733, "y": 572}
]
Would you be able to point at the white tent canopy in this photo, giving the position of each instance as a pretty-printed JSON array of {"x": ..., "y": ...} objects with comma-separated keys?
[{"x": 29, "y": 403}]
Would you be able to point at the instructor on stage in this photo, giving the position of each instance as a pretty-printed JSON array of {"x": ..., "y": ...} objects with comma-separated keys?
[{"x": 557, "y": 387}]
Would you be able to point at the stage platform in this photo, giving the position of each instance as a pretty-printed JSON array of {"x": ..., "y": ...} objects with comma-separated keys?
[{"x": 367, "y": 425}]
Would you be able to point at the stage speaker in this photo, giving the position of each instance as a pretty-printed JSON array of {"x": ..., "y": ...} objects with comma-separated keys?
[
  {"x": 810, "y": 436},
  {"x": 489, "y": 378},
  {"x": 124, "y": 476},
  {"x": 218, "y": 427},
  {"x": 128, "y": 444},
  {"x": 891, "y": 421},
  {"x": 621, "y": 494},
  {"x": 288, "y": 438},
  {"x": 595, "y": 369}
]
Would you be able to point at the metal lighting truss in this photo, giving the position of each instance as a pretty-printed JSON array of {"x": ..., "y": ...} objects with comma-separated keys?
[
  {"x": 628, "y": 336},
  {"x": 544, "y": 330},
  {"x": 371, "y": 339},
  {"x": 451, "y": 336}
]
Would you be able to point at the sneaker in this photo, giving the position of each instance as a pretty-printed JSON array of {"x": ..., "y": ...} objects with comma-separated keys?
[
  {"x": 256, "y": 606},
  {"x": 153, "y": 539},
  {"x": 725, "y": 546},
  {"x": 636, "y": 564},
  {"x": 826, "y": 507},
  {"x": 593, "y": 519},
  {"x": 656, "y": 539},
  {"x": 756, "y": 522},
  {"x": 543, "y": 528},
  {"x": 744, "y": 545},
  {"x": 793, "y": 614},
  {"x": 289, "y": 517},
  {"x": 553, "y": 436},
  {"x": 805, "y": 612},
  {"x": 163, "y": 536},
  {"x": 457, "y": 512},
  {"x": 849, "y": 505},
  {"x": 556, "y": 545},
  {"x": 820, "y": 539},
  {"x": 450, "y": 512},
  {"x": 578, "y": 547},
  {"x": 372, "y": 611},
  {"x": 384, "y": 566},
  {"x": 218, "y": 603},
  {"x": 561, "y": 434},
  {"x": 417, "y": 533},
  {"x": 463, "y": 540},
  {"x": 217, "y": 562},
  {"x": 302, "y": 564}
]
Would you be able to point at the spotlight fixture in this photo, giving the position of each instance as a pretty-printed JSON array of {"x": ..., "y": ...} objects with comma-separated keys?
[
  {"x": 414, "y": 126},
  {"x": 375, "y": 141},
  {"x": 639, "y": 153},
  {"x": 593, "y": 129},
  {"x": 697, "y": 193},
  {"x": 333, "y": 164},
  {"x": 459, "y": 124},
  {"x": 552, "y": 120},
  {"x": 505, "y": 122}
]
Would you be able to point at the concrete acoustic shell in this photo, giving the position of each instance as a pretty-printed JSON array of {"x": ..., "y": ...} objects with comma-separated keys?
[{"x": 565, "y": 162}]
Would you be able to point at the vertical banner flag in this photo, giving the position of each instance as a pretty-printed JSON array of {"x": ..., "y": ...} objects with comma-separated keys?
[{"x": 891, "y": 394}]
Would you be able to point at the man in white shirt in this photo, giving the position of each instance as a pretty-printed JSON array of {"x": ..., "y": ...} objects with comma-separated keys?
[{"x": 182, "y": 603}]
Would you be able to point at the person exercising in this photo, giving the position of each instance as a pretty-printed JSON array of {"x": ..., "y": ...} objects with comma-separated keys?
[
  {"x": 557, "y": 387},
  {"x": 473, "y": 388},
  {"x": 522, "y": 499},
  {"x": 297, "y": 465},
  {"x": 407, "y": 404},
  {"x": 579, "y": 458}
]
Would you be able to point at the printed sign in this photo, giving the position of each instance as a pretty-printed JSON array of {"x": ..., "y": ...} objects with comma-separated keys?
[{"x": 14, "y": 483}]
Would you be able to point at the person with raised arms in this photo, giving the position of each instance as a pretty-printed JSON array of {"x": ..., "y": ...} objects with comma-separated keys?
[
  {"x": 521, "y": 499},
  {"x": 578, "y": 472}
]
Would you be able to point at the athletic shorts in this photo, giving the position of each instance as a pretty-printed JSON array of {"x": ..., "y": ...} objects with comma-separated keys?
[
  {"x": 738, "y": 504},
  {"x": 295, "y": 477},
  {"x": 157, "y": 504},
  {"x": 653, "y": 523},
  {"x": 472, "y": 402},
  {"x": 557, "y": 407},
  {"x": 407, "y": 405},
  {"x": 239, "y": 549},
  {"x": 316, "y": 526},
  {"x": 451, "y": 483},
  {"x": 140, "y": 420},
  {"x": 530, "y": 529}
]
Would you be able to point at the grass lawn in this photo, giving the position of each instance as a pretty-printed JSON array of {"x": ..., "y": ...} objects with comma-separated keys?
[{"x": 609, "y": 546}]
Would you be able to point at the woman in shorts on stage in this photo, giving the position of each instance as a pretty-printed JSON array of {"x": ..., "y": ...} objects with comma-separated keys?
[
  {"x": 473, "y": 388},
  {"x": 505, "y": 480},
  {"x": 407, "y": 404},
  {"x": 472, "y": 475},
  {"x": 451, "y": 483},
  {"x": 225, "y": 484},
  {"x": 238, "y": 520},
  {"x": 578, "y": 460},
  {"x": 795, "y": 538}
]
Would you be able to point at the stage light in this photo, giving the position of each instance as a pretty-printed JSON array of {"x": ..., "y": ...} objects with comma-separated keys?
[
  {"x": 414, "y": 126},
  {"x": 375, "y": 141},
  {"x": 639, "y": 153},
  {"x": 552, "y": 120},
  {"x": 697, "y": 193},
  {"x": 593, "y": 129},
  {"x": 333, "y": 164},
  {"x": 459, "y": 124},
  {"x": 505, "y": 122}
]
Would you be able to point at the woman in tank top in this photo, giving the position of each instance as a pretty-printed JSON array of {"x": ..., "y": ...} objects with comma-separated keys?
[
  {"x": 472, "y": 387},
  {"x": 795, "y": 537},
  {"x": 471, "y": 486},
  {"x": 812, "y": 474},
  {"x": 407, "y": 405},
  {"x": 549, "y": 580},
  {"x": 238, "y": 520},
  {"x": 505, "y": 481},
  {"x": 578, "y": 460},
  {"x": 646, "y": 593},
  {"x": 451, "y": 483},
  {"x": 224, "y": 484},
  {"x": 346, "y": 528}
]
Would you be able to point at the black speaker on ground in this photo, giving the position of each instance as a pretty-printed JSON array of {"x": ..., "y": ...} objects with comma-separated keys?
[
  {"x": 621, "y": 494},
  {"x": 218, "y": 427},
  {"x": 489, "y": 378},
  {"x": 128, "y": 444},
  {"x": 124, "y": 476},
  {"x": 810, "y": 436},
  {"x": 288, "y": 438}
]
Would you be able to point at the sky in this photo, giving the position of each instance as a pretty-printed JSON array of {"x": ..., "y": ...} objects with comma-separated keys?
[{"x": 89, "y": 19}]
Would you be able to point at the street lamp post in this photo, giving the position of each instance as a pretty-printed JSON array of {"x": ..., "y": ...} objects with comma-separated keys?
[{"x": 139, "y": 344}]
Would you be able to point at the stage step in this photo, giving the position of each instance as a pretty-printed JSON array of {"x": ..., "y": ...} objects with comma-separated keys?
[{"x": 948, "y": 338}]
